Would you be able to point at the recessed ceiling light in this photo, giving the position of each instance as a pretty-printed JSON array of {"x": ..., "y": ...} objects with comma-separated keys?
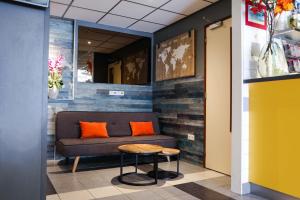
[{"x": 89, "y": 42}]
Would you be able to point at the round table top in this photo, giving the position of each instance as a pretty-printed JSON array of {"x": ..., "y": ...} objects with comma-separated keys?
[
  {"x": 170, "y": 151},
  {"x": 140, "y": 148}
]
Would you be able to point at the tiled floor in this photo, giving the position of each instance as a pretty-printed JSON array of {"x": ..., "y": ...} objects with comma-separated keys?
[{"x": 195, "y": 183}]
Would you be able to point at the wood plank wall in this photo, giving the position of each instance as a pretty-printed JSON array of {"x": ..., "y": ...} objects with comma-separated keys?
[
  {"x": 95, "y": 97},
  {"x": 180, "y": 102},
  {"x": 180, "y": 105},
  {"x": 88, "y": 96}
]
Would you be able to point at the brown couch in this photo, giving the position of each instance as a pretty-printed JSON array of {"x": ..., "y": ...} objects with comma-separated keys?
[{"x": 69, "y": 144}]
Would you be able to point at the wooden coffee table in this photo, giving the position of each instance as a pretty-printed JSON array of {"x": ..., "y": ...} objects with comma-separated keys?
[
  {"x": 139, "y": 149},
  {"x": 163, "y": 174}
]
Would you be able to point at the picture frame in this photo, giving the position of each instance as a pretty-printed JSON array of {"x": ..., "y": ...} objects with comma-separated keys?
[
  {"x": 258, "y": 20},
  {"x": 176, "y": 57}
]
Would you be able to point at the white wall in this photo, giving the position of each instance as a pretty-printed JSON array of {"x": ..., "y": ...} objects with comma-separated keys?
[{"x": 244, "y": 67}]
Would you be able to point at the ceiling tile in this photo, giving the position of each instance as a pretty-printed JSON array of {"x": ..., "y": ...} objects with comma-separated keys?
[
  {"x": 83, "y": 14},
  {"x": 57, "y": 9},
  {"x": 146, "y": 27},
  {"x": 62, "y": 1},
  {"x": 113, "y": 20},
  {"x": 133, "y": 10},
  {"x": 163, "y": 17},
  {"x": 186, "y": 7},
  {"x": 101, "y": 5},
  {"x": 154, "y": 3}
]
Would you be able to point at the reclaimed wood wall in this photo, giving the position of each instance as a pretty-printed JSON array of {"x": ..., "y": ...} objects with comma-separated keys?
[
  {"x": 180, "y": 106},
  {"x": 95, "y": 97},
  {"x": 180, "y": 102},
  {"x": 92, "y": 96}
]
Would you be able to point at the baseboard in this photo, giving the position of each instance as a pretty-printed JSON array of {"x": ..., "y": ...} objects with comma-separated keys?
[{"x": 269, "y": 194}]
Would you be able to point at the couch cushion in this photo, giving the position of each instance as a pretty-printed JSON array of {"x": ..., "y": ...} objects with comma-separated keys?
[{"x": 102, "y": 146}]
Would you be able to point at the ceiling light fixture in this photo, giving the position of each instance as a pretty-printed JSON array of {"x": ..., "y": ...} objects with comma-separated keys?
[{"x": 89, "y": 42}]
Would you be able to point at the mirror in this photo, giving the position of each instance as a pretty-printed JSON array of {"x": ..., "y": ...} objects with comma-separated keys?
[{"x": 113, "y": 57}]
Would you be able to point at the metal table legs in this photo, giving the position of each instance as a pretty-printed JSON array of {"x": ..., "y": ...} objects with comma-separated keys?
[
  {"x": 155, "y": 170},
  {"x": 162, "y": 174}
]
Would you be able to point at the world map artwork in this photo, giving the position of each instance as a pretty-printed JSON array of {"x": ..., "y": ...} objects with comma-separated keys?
[
  {"x": 135, "y": 68},
  {"x": 175, "y": 57}
]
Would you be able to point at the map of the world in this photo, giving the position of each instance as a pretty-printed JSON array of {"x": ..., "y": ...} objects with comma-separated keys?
[{"x": 175, "y": 57}]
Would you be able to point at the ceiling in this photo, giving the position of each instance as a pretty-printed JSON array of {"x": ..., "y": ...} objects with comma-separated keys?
[
  {"x": 102, "y": 41},
  {"x": 139, "y": 15}
]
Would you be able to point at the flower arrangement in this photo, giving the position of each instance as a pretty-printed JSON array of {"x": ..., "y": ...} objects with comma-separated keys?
[
  {"x": 273, "y": 8},
  {"x": 55, "y": 69},
  {"x": 272, "y": 61}
]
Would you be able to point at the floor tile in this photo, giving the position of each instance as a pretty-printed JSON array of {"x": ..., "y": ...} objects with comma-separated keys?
[
  {"x": 50, "y": 188},
  {"x": 169, "y": 192},
  {"x": 248, "y": 197},
  {"x": 144, "y": 195},
  {"x": 104, "y": 192},
  {"x": 186, "y": 197},
  {"x": 92, "y": 180},
  {"x": 215, "y": 182},
  {"x": 201, "y": 192},
  {"x": 102, "y": 184},
  {"x": 53, "y": 197},
  {"x": 118, "y": 197},
  {"x": 63, "y": 183},
  {"x": 77, "y": 195}
]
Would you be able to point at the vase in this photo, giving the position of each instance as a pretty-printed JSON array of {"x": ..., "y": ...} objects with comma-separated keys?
[
  {"x": 272, "y": 61},
  {"x": 53, "y": 93}
]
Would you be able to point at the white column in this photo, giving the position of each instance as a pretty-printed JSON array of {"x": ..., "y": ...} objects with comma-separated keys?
[{"x": 240, "y": 114}]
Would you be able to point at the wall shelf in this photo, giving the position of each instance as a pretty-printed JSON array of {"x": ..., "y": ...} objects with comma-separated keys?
[
  {"x": 274, "y": 78},
  {"x": 292, "y": 35}
]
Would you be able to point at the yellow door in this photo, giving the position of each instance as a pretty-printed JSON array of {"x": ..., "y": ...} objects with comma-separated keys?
[{"x": 218, "y": 98}]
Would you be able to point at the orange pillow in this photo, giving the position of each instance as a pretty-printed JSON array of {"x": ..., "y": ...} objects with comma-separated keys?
[
  {"x": 141, "y": 128},
  {"x": 93, "y": 130}
]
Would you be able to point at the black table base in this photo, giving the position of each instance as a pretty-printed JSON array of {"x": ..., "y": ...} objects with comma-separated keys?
[
  {"x": 155, "y": 171},
  {"x": 167, "y": 175}
]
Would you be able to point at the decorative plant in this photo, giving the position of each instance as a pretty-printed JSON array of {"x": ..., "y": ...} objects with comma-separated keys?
[
  {"x": 55, "y": 69},
  {"x": 273, "y": 8},
  {"x": 272, "y": 61}
]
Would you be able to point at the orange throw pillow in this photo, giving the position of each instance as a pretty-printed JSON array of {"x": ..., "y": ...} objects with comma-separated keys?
[
  {"x": 93, "y": 130},
  {"x": 142, "y": 128}
]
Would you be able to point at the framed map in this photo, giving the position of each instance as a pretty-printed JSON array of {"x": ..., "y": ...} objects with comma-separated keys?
[
  {"x": 175, "y": 58},
  {"x": 135, "y": 68}
]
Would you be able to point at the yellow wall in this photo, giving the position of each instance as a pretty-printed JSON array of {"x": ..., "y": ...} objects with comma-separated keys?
[{"x": 275, "y": 135}]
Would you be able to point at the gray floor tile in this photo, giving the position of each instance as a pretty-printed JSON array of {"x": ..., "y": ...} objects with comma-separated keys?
[
  {"x": 144, "y": 195},
  {"x": 89, "y": 179},
  {"x": 169, "y": 192},
  {"x": 215, "y": 182},
  {"x": 118, "y": 197}
]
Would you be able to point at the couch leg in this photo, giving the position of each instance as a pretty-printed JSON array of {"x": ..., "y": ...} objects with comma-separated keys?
[
  {"x": 75, "y": 164},
  {"x": 67, "y": 160}
]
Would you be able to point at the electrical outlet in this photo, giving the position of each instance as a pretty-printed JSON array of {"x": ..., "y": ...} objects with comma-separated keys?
[
  {"x": 116, "y": 93},
  {"x": 191, "y": 137}
]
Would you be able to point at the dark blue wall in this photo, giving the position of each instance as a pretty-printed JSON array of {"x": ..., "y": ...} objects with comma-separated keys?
[
  {"x": 23, "y": 101},
  {"x": 180, "y": 102}
]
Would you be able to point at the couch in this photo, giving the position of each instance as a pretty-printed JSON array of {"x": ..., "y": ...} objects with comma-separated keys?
[{"x": 69, "y": 144}]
